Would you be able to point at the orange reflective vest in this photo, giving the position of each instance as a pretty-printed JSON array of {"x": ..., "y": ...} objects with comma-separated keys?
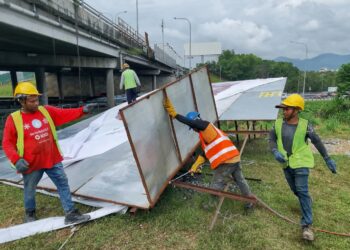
[{"x": 219, "y": 150}]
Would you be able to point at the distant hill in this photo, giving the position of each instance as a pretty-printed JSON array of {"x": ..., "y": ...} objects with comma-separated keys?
[{"x": 328, "y": 60}]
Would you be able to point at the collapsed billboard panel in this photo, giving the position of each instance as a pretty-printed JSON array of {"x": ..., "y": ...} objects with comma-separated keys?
[
  {"x": 160, "y": 144},
  {"x": 181, "y": 95},
  {"x": 204, "y": 95},
  {"x": 249, "y": 100}
]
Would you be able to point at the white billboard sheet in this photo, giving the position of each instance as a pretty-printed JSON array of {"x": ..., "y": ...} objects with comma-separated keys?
[
  {"x": 203, "y": 49},
  {"x": 249, "y": 100}
]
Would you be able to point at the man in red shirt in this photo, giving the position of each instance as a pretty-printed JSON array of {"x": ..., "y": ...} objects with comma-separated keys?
[{"x": 30, "y": 143}]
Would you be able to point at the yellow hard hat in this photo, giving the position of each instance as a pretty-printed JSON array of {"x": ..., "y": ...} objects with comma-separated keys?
[
  {"x": 25, "y": 88},
  {"x": 294, "y": 100},
  {"x": 125, "y": 65}
]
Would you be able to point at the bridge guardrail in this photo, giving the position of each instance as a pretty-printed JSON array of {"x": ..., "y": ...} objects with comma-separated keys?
[
  {"x": 163, "y": 57},
  {"x": 77, "y": 12}
]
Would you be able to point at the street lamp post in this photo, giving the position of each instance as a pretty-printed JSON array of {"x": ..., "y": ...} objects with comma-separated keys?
[
  {"x": 306, "y": 51},
  {"x": 137, "y": 17},
  {"x": 117, "y": 15},
  {"x": 189, "y": 23}
]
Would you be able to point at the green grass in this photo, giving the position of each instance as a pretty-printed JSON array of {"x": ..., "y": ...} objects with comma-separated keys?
[
  {"x": 6, "y": 90},
  {"x": 215, "y": 78},
  {"x": 329, "y": 117},
  {"x": 178, "y": 220}
]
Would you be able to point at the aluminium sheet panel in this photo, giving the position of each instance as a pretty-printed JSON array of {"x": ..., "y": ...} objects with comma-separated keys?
[
  {"x": 111, "y": 176},
  {"x": 257, "y": 103},
  {"x": 149, "y": 131},
  {"x": 181, "y": 96},
  {"x": 203, "y": 95},
  {"x": 75, "y": 128},
  {"x": 6, "y": 171}
]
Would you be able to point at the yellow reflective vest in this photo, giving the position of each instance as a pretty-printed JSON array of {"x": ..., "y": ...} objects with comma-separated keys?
[
  {"x": 17, "y": 120},
  {"x": 301, "y": 152}
]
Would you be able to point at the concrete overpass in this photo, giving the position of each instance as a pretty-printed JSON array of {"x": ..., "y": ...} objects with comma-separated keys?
[{"x": 75, "y": 50}]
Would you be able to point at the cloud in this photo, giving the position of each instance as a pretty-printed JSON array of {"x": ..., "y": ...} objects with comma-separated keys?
[
  {"x": 260, "y": 27},
  {"x": 174, "y": 33},
  {"x": 235, "y": 34},
  {"x": 311, "y": 25}
]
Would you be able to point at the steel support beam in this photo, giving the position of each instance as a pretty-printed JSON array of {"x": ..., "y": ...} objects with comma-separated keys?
[
  {"x": 14, "y": 79},
  {"x": 216, "y": 192}
]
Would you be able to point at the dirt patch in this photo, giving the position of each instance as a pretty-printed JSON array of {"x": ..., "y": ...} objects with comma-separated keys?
[{"x": 336, "y": 146}]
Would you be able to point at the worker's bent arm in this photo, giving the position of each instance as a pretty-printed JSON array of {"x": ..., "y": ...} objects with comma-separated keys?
[
  {"x": 316, "y": 140},
  {"x": 194, "y": 124}
]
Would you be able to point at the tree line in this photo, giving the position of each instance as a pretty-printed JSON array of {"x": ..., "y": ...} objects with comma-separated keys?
[{"x": 234, "y": 67}]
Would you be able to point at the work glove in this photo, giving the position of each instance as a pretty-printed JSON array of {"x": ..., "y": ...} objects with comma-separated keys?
[
  {"x": 22, "y": 165},
  {"x": 89, "y": 107},
  {"x": 196, "y": 166},
  {"x": 331, "y": 164},
  {"x": 169, "y": 107},
  {"x": 278, "y": 156}
]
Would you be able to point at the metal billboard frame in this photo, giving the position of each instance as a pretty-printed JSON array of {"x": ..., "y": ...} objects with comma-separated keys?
[{"x": 181, "y": 159}]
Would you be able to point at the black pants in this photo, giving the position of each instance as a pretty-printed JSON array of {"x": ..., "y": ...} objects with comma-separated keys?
[{"x": 131, "y": 95}]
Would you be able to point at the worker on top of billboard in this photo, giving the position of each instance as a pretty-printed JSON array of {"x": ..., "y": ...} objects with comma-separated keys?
[
  {"x": 222, "y": 154},
  {"x": 129, "y": 80},
  {"x": 30, "y": 143},
  {"x": 289, "y": 144}
]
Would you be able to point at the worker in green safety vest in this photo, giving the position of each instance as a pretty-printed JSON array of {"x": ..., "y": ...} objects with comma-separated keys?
[
  {"x": 130, "y": 81},
  {"x": 289, "y": 144}
]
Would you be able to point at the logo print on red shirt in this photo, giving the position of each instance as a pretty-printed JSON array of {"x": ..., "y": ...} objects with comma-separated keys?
[{"x": 36, "y": 123}]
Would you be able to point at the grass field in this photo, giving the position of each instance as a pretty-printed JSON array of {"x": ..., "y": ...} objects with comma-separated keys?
[
  {"x": 178, "y": 221},
  {"x": 6, "y": 90}
]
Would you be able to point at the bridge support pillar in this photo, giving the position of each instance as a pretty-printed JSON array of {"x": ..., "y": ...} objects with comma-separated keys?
[
  {"x": 92, "y": 84},
  {"x": 154, "y": 82},
  {"x": 110, "y": 88},
  {"x": 59, "y": 85},
  {"x": 41, "y": 85},
  {"x": 14, "y": 79}
]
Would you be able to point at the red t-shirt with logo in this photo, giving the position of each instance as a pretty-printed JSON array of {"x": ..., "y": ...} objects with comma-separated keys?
[{"x": 40, "y": 149}]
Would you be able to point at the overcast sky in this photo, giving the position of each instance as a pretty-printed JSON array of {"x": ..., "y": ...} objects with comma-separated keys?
[{"x": 261, "y": 27}]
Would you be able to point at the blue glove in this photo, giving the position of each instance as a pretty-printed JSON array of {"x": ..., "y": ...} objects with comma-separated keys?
[
  {"x": 278, "y": 156},
  {"x": 331, "y": 164},
  {"x": 22, "y": 165}
]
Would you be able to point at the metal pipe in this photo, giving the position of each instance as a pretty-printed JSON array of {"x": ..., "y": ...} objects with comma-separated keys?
[
  {"x": 190, "y": 52},
  {"x": 306, "y": 52}
]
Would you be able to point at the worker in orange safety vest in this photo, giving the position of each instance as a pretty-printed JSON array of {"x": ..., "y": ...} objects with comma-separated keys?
[{"x": 222, "y": 154}]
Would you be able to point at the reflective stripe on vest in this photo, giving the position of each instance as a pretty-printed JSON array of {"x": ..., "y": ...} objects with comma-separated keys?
[
  {"x": 219, "y": 150},
  {"x": 301, "y": 153},
  {"x": 18, "y": 121},
  {"x": 129, "y": 79}
]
